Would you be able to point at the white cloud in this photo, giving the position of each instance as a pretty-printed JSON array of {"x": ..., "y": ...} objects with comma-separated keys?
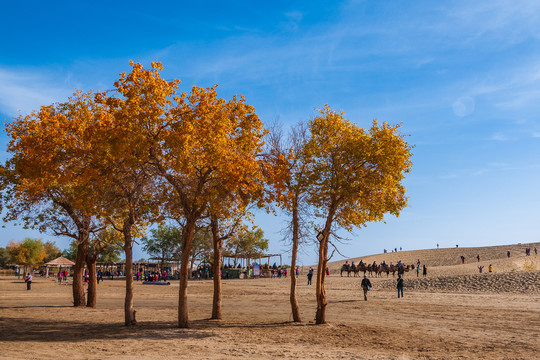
[
  {"x": 501, "y": 137},
  {"x": 480, "y": 172},
  {"x": 24, "y": 91}
]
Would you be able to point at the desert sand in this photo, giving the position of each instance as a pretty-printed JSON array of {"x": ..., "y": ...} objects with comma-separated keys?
[{"x": 452, "y": 313}]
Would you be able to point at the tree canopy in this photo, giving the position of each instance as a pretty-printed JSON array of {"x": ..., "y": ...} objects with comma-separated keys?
[
  {"x": 355, "y": 177},
  {"x": 108, "y": 163},
  {"x": 29, "y": 252}
]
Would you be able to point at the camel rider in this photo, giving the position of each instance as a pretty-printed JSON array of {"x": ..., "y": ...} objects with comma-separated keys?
[
  {"x": 400, "y": 270},
  {"x": 347, "y": 264},
  {"x": 353, "y": 266},
  {"x": 361, "y": 263},
  {"x": 366, "y": 285},
  {"x": 374, "y": 266}
]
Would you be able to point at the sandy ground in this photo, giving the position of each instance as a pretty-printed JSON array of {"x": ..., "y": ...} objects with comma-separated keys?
[{"x": 453, "y": 313}]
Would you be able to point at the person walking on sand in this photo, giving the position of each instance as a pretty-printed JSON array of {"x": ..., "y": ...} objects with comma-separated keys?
[
  {"x": 366, "y": 286},
  {"x": 424, "y": 271},
  {"x": 28, "y": 281},
  {"x": 400, "y": 286},
  {"x": 480, "y": 268},
  {"x": 418, "y": 271},
  {"x": 478, "y": 257},
  {"x": 508, "y": 254},
  {"x": 309, "y": 275},
  {"x": 490, "y": 268}
]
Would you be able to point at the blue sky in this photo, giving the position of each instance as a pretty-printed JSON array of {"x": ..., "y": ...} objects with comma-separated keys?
[{"x": 462, "y": 76}]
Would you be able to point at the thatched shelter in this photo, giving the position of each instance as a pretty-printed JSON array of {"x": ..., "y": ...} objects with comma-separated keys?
[{"x": 59, "y": 262}]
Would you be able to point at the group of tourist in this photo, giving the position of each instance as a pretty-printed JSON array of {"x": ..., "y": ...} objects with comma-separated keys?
[
  {"x": 366, "y": 283},
  {"x": 153, "y": 276},
  {"x": 481, "y": 268},
  {"x": 366, "y": 286},
  {"x": 424, "y": 269},
  {"x": 62, "y": 276},
  {"x": 393, "y": 250},
  {"x": 280, "y": 272}
]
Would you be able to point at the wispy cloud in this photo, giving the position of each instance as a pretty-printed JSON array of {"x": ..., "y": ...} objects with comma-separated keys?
[
  {"x": 23, "y": 91},
  {"x": 449, "y": 176},
  {"x": 502, "y": 137},
  {"x": 293, "y": 20},
  {"x": 480, "y": 172}
]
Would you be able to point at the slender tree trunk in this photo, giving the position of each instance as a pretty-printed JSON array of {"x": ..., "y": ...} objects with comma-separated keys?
[
  {"x": 187, "y": 240},
  {"x": 92, "y": 281},
  {"x": 320, "y": 316},
  {"x": 78, "y": 269},
  {"x": 218, "y": 243},
  {"x": 294, "y": 302},
  {"x": 129, "y": 312}
]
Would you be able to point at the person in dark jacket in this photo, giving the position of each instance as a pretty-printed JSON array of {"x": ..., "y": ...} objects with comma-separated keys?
[
  {"x": 28, "y": 281},
  {"x": 366, "y": 286},
  {"x": 309, "y": 276},
  {"x": 400, "y": 286}
]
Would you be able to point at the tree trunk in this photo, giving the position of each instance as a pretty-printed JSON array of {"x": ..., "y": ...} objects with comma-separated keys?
[
  {"x": 78, "y": 269},
  {"x": 294, "y": 302},
  {"x": 92, "y": 281},
  {"x": 320, "y": 316},
  {"x": 187, "y": 240},
  {"x": 129, "y": 312},
  {"x": 218, "y": 243}
]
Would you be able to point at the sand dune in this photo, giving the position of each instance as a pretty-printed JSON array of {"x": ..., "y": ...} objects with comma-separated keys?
[
  {"x": 449, "y": 256},
  {"x": 453, "y": 313}
]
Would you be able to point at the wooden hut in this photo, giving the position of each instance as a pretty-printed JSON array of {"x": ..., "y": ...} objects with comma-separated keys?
[{"x": 58, "y": 262}]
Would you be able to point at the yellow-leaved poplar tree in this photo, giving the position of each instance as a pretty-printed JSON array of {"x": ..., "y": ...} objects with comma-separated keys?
[
  {"x": 208, "y": 148},
  {"x": 122, "y": 143},
  {"x": 47, "y": 176},
  {"x": 355, "y": 177}
]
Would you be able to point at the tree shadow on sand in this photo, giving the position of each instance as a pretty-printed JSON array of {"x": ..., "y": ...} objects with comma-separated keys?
[{"x": 27, "y": 329}]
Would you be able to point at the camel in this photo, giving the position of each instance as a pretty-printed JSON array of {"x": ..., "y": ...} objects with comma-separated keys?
[
  {"x": 347, "y": 268},
  {"x": 395, "y": 268}
]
